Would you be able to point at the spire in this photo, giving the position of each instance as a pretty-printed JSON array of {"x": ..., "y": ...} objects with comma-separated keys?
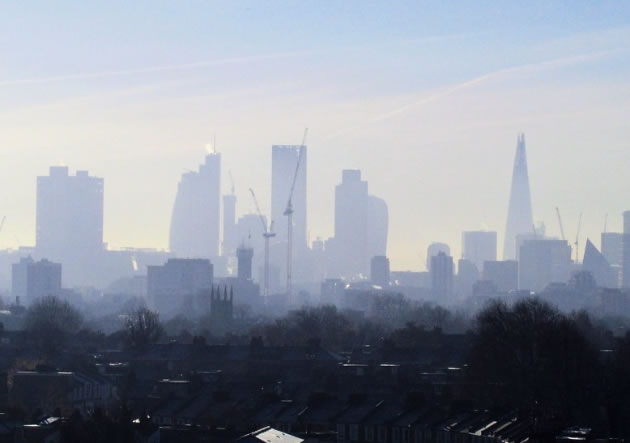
[{"x": 520, "y": 219}]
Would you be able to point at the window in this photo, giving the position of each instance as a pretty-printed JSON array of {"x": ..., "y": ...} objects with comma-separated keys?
[
  {"x": 369, "y": 433},
  {"x": 382, "y": 433},
  {"x": 354, "y": 432},
  {"x": 396, "y": 435},
  {"x": 341, "y": 432}
]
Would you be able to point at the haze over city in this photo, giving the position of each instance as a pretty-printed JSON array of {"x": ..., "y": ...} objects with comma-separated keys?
[
  {"x": 426, "y": 105},
  {"x": 314, "y": 221}
]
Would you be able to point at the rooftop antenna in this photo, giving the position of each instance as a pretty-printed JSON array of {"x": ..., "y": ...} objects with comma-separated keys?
[{"x": 606, "y": 223}]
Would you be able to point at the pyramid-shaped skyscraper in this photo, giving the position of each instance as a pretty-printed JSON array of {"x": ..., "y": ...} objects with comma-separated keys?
[{"x": 520, "y": 219}]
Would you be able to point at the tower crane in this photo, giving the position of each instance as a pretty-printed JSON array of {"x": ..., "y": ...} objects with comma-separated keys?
[
  {"x": 289, "y": 213},
  {"x": 267, "y": 234},
  {"x": 560, "y": 223},
  {"x": 577, "y": 240}
]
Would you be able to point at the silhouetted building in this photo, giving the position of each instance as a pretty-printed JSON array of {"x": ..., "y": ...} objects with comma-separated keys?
[
  {"x": 485, "y": 289},
  {"x": 351, "y": 224},
  {"x": 520, "y": 219},
  {"x": 504, "y": 274},
  {"x": 479, "y": 246},
  {"x": 249, "y": 232},
  {"x": 411, "y": 278},
  {"x": 537, "y": 232},
  {"x": 595, "y": 263},
  {"x": 230, "y": 240},
  {"x": 244, "y": 256},
  {"x": 332, "y": 291},
  {"x": 32, "y": 280},
  {"x": 379, "y": 270},
  {"x": 434, "y": 249},
  {"x": 377, "y": 226},
  {"x": 467, "y": 275},
  {"x": 612, "y": 247},
  {"x": 70, "y": 221},
  {"x": 196, "y": 218},
  {"x": 221, "y": 308},
  {"x": 543, "y": 262},
  {"x": 442, "y": 277},
  {"x": 625, "y": 259},
  {"x": 179, "y": 284}
]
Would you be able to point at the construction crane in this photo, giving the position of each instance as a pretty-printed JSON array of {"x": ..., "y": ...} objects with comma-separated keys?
[
  {"x": 267, "y": 234},
  {"x": 560, "y": 223},
  {"x": 577, "y": 240},
  {"x": 289, "y": 213}
]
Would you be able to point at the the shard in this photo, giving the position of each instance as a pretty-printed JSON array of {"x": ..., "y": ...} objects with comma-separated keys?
[{"x": 520, "y": 220}]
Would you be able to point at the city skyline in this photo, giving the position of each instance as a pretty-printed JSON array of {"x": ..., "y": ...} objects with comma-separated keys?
[{"x": 428, "y": 98}]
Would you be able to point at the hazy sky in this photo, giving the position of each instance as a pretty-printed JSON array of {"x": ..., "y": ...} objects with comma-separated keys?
[{"x": 426, "y": 98}]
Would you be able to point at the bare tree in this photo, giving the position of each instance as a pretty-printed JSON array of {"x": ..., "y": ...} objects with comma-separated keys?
[
  {"x": 51, "y": 321},
  {"x": 143, "y": 327}
]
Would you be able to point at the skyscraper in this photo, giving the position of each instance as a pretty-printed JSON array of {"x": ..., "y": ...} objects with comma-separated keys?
[
  {"x": 177, "y": 283},
  {"x": 467, "y": 276},
  {"x": 244, "y": 255},
  {"x": 70, "y": 221},
  {"x": 442, "y": 277},
  {"x": 520, "y": 219},
  {"x": 229, "y": 225},
  {"x": 32, "y": 280},
  {"x": 195, "y": 221},
  {"x": 612, "y": 247},
  {"x": 479, "y": 246},
  {"x": 434, "y": 249},
  {"x": 377, "y": 226},
  {"x": 283, "y": 163},
  {"x": 595, "y": 263},
  {"x": 542, "y": 262},
  {"x": 351, "y": 224},
  {"x": 379, "y": 270},
  {"x": 504, "y": 274}
]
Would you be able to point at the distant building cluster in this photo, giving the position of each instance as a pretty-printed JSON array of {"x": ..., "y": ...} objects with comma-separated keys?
[{"x": 273, "y": 266}]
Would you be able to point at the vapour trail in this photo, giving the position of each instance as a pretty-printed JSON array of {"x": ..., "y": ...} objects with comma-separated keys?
[
  {"x": 152, "y": 69},
  {"x": 530, "y": 67}
]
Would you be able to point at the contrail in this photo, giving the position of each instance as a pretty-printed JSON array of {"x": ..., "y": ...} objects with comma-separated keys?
[
  {"x": 202, "y": 64},
  {"x": 152, "y": 69},
  {"x": 532, "y": 67}
]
